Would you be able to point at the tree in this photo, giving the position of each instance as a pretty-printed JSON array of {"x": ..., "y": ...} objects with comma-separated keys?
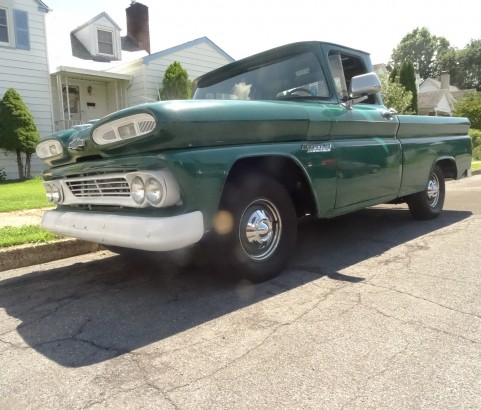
[
  {"x": 464, "y": 66},
  {"x": 407, "y": 78},
  {"x": 394, "y": 75},
  {"x": 423, "y": 49},
  {"x": 176, "y": 84},
  {"x": 18, "y": 132},
  {"x": 395, "y": 96},
  {"x": 470, "y": 106}
]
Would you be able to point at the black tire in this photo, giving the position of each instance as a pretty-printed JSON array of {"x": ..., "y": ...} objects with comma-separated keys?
[
  {"x": 428, "y": 204},
  {"x": 261, "y": 228}
]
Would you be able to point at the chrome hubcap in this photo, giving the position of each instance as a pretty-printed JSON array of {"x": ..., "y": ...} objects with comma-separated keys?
[
  {"x": 433, "y": 190},
  {"x": 260, "y": 230}
]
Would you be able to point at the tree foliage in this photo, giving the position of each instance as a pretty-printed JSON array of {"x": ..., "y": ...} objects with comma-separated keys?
[
  {"x": 176, "y": 84},
  {"x": 423, "y": 49},
  {"x": 407, "y": 78},
  {"x": 464, "y": 66},
  {"x": 18, "y": 132},
  {"x": 395, "y": 96},
  {"x": 470, "y": 106}
]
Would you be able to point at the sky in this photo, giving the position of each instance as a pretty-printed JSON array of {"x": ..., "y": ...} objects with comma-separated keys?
[{"x": 243, "y": 28}]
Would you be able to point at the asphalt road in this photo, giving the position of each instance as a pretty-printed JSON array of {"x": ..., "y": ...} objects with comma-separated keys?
[{"x": 376, "y": 310}]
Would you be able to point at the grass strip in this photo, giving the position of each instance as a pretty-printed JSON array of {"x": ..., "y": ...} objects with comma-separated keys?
[
  {"x": 19, "y": 235},
  {"x": 17, "y": 196},
  {"x": 475, "y": 165}
]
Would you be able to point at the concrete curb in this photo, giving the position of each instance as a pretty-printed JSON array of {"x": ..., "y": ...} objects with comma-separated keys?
[{"x": 26, "y": 255}]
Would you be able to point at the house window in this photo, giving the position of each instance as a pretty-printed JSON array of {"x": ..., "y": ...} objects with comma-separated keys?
[
  {"x": 14, "y": 30},
  {"x": 105, "y": 39},
  {"x": 3, "y": 26}
]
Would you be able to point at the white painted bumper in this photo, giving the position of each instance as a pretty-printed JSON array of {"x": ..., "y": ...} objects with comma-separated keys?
[{"x": 146, "y": 233}]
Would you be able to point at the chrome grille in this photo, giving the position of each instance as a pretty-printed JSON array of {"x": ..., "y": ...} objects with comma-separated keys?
[
  {"x": 146, "y": 126},
  {"x": 99, "y": 187}
]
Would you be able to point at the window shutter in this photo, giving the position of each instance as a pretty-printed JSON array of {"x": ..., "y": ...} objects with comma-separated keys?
[{"x": 22, "y": 36}]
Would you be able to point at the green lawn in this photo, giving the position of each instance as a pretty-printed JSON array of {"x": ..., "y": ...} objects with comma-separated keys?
[
  {"x": 19, "y": 235},
  {"x": 475, "y": 165},
  {"x": 16, "y": 196}
]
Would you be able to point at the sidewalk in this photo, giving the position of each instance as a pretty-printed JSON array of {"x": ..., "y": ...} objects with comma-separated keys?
[{"x": 19, "y": 218}]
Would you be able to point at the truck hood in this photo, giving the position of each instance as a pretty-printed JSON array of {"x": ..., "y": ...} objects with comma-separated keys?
[{"x": 184, "y": 124}]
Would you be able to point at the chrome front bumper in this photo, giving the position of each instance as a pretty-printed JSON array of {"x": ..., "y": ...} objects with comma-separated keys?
[{"x": 146, "y": 233}]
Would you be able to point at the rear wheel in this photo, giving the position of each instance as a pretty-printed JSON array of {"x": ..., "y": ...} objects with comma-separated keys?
[
  {"x": 255, "y": 229},
  {"x": 429, "y": 203}
]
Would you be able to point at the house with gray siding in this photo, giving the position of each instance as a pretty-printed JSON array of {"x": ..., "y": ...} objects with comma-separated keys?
[{"x": 24, "y": 67}]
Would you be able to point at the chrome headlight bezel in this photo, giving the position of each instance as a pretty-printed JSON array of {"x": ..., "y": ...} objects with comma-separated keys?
[
  {"x": 54, "y": 192},
  {"x": 132, "y": 126},
  {"x": 154, "y": 191},
  {"x": 137, "y": 190},
  {"x": 49, "y": 149}
]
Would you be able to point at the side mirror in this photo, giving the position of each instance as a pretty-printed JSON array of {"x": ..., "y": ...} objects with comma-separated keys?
[{"x": 364, "y": 85}]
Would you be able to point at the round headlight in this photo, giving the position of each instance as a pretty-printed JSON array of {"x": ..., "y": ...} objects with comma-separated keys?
[
  {"x": 48, "y": 192},
  {"x": 56, "y": 194},
  {"x": 154, "y": 191},
  {"x": 137, "y": 189}
]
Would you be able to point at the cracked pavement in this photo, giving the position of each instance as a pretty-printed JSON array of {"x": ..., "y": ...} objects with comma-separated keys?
[{"x": 376, "y": 310}]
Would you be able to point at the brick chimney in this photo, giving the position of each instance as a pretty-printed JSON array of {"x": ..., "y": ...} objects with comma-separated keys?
[
  {"x": 138, "y": 25},
  {"x": 445, "y": 80}
]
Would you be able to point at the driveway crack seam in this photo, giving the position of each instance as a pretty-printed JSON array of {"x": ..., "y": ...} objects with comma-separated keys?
[{"x": 423, "y": 299}]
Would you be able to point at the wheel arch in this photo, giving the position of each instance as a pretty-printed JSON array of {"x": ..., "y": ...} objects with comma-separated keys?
[
  {"x": 283, "y": 169},
  {"x": 448, "y": 166}
]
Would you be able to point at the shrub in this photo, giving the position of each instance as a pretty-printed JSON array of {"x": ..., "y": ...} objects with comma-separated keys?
[{"x": 476, "y": 140}]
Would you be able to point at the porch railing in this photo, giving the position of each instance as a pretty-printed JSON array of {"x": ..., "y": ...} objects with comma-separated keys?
[{"x": 66, "y": 124}]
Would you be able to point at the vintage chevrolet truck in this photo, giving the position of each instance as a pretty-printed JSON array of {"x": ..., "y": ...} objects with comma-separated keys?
[{"x": 297, "y": 130}]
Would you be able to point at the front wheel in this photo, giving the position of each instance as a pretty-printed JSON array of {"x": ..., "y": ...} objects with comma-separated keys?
[
  {"x": 255, "y": 229},
  {"x": 429, "y": 203}
]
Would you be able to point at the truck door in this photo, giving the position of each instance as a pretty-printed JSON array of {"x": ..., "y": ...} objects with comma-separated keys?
[{"x": 366, "y": 150}]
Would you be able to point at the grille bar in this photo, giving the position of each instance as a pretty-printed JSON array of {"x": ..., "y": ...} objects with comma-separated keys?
[{"x": 99, "y": 187}]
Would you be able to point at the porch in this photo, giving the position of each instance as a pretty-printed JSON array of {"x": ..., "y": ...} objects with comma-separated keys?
[{"x": 82, "y": 95}]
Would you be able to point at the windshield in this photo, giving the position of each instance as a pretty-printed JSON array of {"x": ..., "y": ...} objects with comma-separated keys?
[{"x": 300, "y": 76}]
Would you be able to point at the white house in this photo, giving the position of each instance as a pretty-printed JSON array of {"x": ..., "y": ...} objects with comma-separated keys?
[
  {"x": 197, "y": 57},
  {"x": 96, "y": 71},
  {"x": 438, "y": 96},
  {"x": 24, "y": 67}
]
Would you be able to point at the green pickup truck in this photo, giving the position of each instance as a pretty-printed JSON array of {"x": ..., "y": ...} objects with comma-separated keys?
[{"x": 294, "y": 131}]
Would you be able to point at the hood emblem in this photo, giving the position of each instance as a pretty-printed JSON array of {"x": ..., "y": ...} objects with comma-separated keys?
[{"x": 77, "y": 144}]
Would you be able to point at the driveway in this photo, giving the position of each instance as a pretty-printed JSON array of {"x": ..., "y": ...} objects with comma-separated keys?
[{"x": 376, "y": 310}]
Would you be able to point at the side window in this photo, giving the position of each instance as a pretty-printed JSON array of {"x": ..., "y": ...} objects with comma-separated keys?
[
  {"x": 4, "y": 37},
  {"x": 343, "y": 68}
]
